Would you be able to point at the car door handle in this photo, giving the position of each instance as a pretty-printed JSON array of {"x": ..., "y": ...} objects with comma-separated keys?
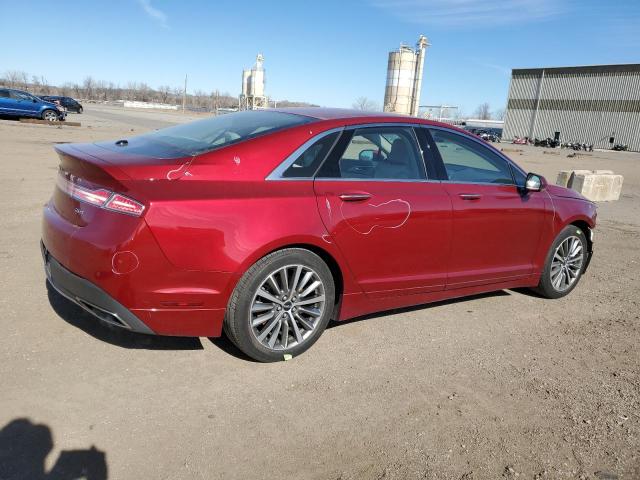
[
  {"x": 354, "y": 197},
  {"x": 470, "y": 196}
]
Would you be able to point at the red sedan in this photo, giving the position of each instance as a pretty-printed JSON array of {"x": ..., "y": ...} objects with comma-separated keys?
[{"x": 267, "y": 224}]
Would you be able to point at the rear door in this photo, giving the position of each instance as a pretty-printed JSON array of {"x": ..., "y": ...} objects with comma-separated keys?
[
  {"x": 390, "y": 221},
  {"x": 7, "y": 103},
  {"x": 496, "y": 225}
]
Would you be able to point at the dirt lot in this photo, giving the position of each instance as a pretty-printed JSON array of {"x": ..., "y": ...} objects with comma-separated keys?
[{"x": 505, "y": 385}]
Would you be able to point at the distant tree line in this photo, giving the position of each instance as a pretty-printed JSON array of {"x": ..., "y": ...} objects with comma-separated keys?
[{"x": 102, "y": 91}]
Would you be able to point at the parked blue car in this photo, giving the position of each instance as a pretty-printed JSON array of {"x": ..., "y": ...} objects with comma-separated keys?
[{"x": 22, "y": 104}]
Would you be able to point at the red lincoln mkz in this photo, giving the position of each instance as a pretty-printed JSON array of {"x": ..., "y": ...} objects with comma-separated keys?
[{"x": 267, "y": 224}]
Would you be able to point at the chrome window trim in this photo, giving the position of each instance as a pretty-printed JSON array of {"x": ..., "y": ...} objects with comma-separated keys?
[
  {"x": 482, "y": 183},
  {"x": 277, "y": 173},
  {"x": 387, "y": 180},
  {"x": 482, "y": 143}
]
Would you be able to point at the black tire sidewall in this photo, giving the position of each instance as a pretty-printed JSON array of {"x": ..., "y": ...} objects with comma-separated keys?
[
  {"x": 237, "y": 320},
  {"x": 44, "y": 115},
  {"x": 545, "y": 286}
]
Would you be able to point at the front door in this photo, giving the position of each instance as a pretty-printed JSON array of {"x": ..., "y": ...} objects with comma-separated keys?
[
  {"x": 24, "y": 103},
  {"x": 496, "y": 225},
  {"x": 391, "y": 223}
]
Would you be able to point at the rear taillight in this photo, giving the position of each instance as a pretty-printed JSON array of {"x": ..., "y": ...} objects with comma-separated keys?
[
  {"x": 100, "y": 197},
  {"x": 122, "y": 204}
]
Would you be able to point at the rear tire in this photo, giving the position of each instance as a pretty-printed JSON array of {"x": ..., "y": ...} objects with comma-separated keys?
[
  {"x": 281, "y": 305},
  {"x": 564, "y": 264}
]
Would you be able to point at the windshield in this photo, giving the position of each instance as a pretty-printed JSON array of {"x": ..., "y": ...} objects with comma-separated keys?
[{"x": 205, "y": 135}]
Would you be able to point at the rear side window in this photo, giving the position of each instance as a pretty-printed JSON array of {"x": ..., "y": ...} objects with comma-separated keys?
[
  {"x": 20, "y": 95},
  {"x": 308, "y": 161},
  {"x": 468, "y": 161},
  {"x": 377, "y": 153},
  {"x": 215, "y": 132},
  {"x": 4, "y": 94}
]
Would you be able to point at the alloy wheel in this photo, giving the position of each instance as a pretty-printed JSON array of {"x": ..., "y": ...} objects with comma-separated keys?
[
  {"x": 567, "y": 263},
  {"x": 287, "y": 307},
  {"x": 50, "y": 116}
]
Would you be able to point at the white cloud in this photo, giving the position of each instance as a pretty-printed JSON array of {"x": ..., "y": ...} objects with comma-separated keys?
[
  {"x": 494, "y": 66},
  {"x": 478, "y": 13},
  {"x": 154, "y": 13}
]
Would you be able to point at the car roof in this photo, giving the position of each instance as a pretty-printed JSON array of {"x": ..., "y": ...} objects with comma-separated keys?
[
  {"x": 323, "y": 113},
  {"x": 351, "y": 116}
]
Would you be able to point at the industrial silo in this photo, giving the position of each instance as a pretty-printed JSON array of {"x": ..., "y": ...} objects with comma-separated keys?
[
  {"x": 257, "y": 78},
  {"x": 253, "y": 93},
  {"x": 404, "y": 78}
]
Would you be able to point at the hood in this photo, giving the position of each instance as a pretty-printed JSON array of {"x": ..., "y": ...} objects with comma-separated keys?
[{"x": 558, "y": 191}]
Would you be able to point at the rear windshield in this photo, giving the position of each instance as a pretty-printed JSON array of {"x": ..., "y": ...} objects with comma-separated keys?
[{"x": 205, "y": 135}]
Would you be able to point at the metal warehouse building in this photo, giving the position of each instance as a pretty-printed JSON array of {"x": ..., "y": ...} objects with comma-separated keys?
[{"x": 597, "y": 105}]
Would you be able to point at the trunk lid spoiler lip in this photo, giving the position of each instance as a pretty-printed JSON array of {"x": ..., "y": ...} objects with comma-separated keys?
[{"x": 78, "y": 151}]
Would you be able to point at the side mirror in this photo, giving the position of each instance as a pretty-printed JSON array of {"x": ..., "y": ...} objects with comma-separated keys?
[
  {"x": 34, "y": 100},
  {"x": 367, "y": 155},
  {"x": 534, "y": 183}
]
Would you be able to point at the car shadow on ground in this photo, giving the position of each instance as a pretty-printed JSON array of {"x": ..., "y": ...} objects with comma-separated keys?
[
  {"x": 79, "y": 318},
  {"x": 227, "y": 346},
  {"x": 424, "y": 306},
  {"x": 24, "y": 447}
]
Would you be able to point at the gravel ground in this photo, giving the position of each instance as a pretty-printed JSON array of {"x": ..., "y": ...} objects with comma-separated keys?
[{"x": 504, "y": 385}]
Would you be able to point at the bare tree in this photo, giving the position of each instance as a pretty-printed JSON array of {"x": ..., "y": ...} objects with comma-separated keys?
[
  {"x": 500, "y": 114},
  {"x": 92, "y": 89},
  {"x": 483, "y": 112},
  {"x": 89, "y": 85},
  {"x": 17, "y": 79},
  {"x": 363, "y": 103},
  {"x": 164, "y": 91}
]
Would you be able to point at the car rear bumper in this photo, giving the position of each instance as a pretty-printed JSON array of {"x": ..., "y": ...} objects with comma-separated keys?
[
  {"x": 88, "y": 296},
  {"x": 188, "y": 322},
  {"x": 114, "y": 263}
]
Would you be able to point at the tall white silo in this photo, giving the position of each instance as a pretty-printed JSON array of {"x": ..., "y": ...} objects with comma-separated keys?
[
  {"x": 253, "y": 92},
  {"x": 404, "y": 78}
]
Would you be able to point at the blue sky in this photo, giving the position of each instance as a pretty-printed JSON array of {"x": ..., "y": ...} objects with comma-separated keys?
[{"x": 326, "y": 52}]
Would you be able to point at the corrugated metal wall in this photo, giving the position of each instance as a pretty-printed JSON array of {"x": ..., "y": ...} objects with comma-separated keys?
[{"x": 585, "y": 104}]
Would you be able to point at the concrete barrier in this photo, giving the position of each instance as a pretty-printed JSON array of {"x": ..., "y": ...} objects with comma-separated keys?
[
  {"x": 596, "y": 185},
  {"x": 565, "y": 177},
  {"x": 155, "y": 106}
]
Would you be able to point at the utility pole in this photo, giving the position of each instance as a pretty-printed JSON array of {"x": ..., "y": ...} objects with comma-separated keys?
[{"x": 184, "y": 94}]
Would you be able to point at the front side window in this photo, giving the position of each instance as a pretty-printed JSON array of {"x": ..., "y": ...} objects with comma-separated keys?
[
  {"x": 384, "y": 153},
  {"x": 467, "y": 161}
]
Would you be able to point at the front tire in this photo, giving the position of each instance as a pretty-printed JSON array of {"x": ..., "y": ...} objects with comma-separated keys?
[
  {"x": 281, "y": 305},
  {"x": 564, "y": 264},
  {"x": 50, "y": 116}
]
